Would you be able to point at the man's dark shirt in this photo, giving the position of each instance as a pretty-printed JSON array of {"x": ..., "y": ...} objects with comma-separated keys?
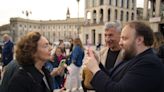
[{"x": 111, "y": 59}]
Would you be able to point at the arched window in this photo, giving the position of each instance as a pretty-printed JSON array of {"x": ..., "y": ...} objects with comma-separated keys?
[
  {"x": 101, "y": 15},
  {"x": 101, "y": 2},
  {"x": 127, "y": 4},
  {"x": 108, "y": 14},
  {"x": 132, "y": 17},
  {"x": 116, "y": 3},
  {"x": 110, "y": 2},
  {"x": 127, "y": 16},
  {"x": 94, "y": 16},
  {"x": 100, "y": 38},
  {"x": 86, "y": 38},
  {"x": 122, "y": 3},
  {"x": 93, "y": 36},
  {"x": 122, "y": 15},
  {"x": 133, "y": 4}
]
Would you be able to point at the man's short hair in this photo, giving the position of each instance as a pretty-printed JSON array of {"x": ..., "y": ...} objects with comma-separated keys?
[
  {"x": 114, "y": 24},
  {"x": 143, "y": 30}
]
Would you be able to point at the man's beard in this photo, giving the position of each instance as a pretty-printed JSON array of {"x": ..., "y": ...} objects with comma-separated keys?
[{"x": 129, "y": 53}]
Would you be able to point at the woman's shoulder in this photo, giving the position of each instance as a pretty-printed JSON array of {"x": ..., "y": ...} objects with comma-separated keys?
[
  {"x": 79, "y": 47},
  {"x": 20, "y": 80},
  {"x": 20, "y": 76}
]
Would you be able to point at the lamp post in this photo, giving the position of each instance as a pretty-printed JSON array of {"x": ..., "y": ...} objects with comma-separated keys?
[{"x": 78, "y": 27}]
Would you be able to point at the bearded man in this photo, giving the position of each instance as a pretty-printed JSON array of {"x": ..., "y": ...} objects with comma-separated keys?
[{"x": 140, "y": 70}]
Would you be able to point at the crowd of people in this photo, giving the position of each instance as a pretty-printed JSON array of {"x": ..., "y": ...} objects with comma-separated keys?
[{"x": 130, "y": 61}]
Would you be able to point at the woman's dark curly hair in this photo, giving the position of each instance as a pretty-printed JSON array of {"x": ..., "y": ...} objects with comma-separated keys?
[{"x": 27, "y": 47}]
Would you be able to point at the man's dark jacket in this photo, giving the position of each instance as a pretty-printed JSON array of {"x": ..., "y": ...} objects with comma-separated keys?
[
  {"x": 10, "y": 69},
  {"x": 7, "y": 53},
  {"x": 144, "y": 73}
]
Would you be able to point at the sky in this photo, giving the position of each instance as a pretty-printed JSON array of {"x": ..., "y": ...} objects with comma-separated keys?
[{"x": 42, "y": 9}]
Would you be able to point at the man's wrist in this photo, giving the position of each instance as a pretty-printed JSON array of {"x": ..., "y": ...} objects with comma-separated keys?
[{"x": 95, "y": 70}]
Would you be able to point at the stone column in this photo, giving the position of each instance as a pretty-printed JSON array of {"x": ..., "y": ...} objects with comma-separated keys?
[
  {"x": 157, "y": 8},
  {"x": 119, "y": 3},
  {"x": 113, "y": 2},
  {"x": 106, "y": 2},
  {"x": 145, "y": 11},
  {"x": 135, "y": 10},
  {"x": 85, "y": 17},
  {"x": 130, "y": 4},
  {"x": 86, "y": 4},
  {"x": 98, "y": 16},
  {"x": 125, "y": 3},
  {"x": 86, "y": 12},
  {"x": 105, "y": 15},
  {"x": 151, "y": 9},
  {"x": 119, "y": 15},
  {"x": 98, "y": 2},
  {"x": 91, "y": 16},
  {"x": 112, "y": 14}
]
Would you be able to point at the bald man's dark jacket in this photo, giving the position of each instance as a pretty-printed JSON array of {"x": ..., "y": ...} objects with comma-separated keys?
[{"x": 144, "y": 73}]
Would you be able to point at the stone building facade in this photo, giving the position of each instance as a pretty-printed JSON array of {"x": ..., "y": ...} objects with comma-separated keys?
[
  {"x": 52, "y": 29},
  {"x": 98, "y": 12},
  {"x": 153, "y": 14}
]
